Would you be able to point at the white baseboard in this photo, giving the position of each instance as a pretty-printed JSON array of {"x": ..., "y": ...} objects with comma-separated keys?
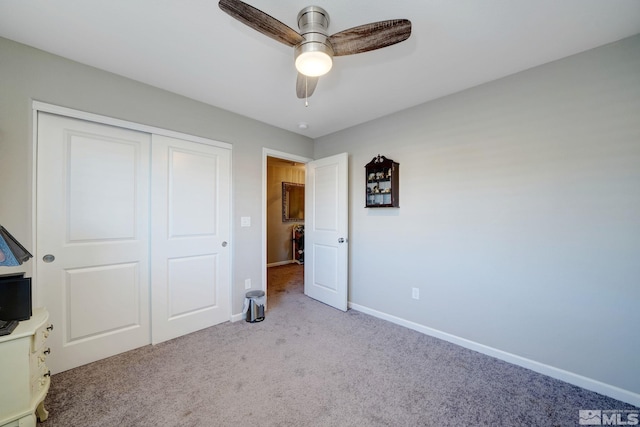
[
  {"x": 237, "y": 317},
  {"x": 276, "y": 264},
  {"x": 560, "y": 374}
]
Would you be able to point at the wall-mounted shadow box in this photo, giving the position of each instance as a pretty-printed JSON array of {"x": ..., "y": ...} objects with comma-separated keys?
[{"x": 382, "y": 186}]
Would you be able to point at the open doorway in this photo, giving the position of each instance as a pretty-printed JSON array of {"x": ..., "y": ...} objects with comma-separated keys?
[
  {"x": 283, "y": 231},
  {"x": 285, "y": 211},
  {"x": 326, "y": 259}
]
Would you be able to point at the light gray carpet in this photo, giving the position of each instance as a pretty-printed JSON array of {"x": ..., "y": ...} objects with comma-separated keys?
[{"x": 310, "y": 365}]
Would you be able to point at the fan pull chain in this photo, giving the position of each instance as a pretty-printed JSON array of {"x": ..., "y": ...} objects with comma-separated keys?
[{"x": 306, "y": 91}]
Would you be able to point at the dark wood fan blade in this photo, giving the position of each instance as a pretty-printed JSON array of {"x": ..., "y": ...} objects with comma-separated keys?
[
  {"x": 370, "y": 36},
  {"x": 260, "y": 21},
  {"x": 305, "y": 85}
]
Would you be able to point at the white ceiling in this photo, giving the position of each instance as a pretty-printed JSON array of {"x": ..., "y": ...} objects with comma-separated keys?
[{"x": 192, "y": 48}]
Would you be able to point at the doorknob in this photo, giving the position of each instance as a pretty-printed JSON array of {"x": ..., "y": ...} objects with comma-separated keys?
[
  {"x": 341, "y": 240},
  {"x": 224, "y": 244},
  {"x": 48, "y": 258}
]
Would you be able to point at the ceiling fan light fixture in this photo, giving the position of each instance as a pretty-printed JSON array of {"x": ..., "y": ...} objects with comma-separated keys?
[
  {"x": 314, "y": 56},
  {"x": 314, "y": 63}
]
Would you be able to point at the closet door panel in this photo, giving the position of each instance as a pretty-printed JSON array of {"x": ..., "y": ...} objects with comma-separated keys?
[
  {"x": 92, "y": 255},
  {"x": 190, "y": 237}
]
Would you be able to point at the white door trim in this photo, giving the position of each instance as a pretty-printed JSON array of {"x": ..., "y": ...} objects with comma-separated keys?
[
  {"x": 267, "y": 152},
  {"x": 77, "y": 114}
]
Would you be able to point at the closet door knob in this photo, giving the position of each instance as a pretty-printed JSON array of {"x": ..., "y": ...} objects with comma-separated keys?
[
  {"x": 48, "y": 258},
  {"x": 224, "y": 244}
]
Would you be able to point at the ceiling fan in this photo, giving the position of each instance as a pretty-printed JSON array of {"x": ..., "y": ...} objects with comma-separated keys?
[{"x": 314, "y": 49}]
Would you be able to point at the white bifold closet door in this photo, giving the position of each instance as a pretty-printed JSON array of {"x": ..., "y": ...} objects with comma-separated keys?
[{"x": 130, "y": 232}]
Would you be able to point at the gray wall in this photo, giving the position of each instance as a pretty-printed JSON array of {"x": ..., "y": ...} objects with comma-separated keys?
[
  {"x": 28, "y": 74},
  {"x": 519, "y": 216}
]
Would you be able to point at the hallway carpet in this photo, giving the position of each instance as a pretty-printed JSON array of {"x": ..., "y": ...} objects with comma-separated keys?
[{"x": 308, "y": 364}]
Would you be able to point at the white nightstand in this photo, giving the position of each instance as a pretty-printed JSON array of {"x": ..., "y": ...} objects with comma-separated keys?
[{"x": 24, "y": 376}]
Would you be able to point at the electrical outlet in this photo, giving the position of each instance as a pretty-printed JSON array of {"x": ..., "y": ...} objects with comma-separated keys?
[
  {"x": 247, "y": 283},
  {"x": 415, "y": 293}
]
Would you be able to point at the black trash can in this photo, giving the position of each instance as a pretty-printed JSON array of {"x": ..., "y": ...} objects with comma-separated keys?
[{"x": 254, "y": 306}]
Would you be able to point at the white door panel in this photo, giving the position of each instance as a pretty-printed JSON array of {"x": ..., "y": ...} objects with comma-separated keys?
[
  {"x": 116, "y": 287},
  {"x": 102, "y": 188},
  {"x": 191, "y": 284},
  {"x": 326, "y": 231},
  {"x": 190, "y": 234},
  {"x": 92, "y": 216},
  {"x": 192, "y": 191}
]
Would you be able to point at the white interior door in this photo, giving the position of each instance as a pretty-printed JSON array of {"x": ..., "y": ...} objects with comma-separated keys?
[
  {"x": 190, "y": 278},
  {"x": 326, "y": 231},
  {"x": 92, "y": 238}
]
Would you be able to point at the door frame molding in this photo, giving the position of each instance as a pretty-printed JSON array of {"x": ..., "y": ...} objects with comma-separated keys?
[
  {"x": 39, "y": 106},
  {"x": 268, "y": 152}
]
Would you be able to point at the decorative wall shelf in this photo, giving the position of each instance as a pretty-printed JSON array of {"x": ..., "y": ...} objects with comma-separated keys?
[{"x": 382, "y": 183}]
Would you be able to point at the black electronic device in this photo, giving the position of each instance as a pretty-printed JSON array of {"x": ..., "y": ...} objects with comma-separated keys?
[
  {"x": 7, "y": 327},
  {"x": 15, "y": 299}
]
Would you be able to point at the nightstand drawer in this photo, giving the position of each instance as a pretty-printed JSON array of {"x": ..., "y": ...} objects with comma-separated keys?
[{"x": 40, "y": 337}]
